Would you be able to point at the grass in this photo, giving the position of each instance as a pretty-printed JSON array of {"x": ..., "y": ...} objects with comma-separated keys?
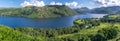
[
  {"x": 118, "y": 36},
  {"x": 92, "y": 31},
  {"x": 8, "y": 34}
]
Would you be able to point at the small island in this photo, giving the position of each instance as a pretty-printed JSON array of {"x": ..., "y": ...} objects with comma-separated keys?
[{"x": 48, "y": 11}]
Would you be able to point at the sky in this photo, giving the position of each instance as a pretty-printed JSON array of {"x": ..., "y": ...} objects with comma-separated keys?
[{"x": 70, "y": 3}]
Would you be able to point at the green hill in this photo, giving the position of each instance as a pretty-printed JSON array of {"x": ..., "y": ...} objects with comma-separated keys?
[
  {"x": 9, "y": 34},
  {"x": 48, "y": 11}
]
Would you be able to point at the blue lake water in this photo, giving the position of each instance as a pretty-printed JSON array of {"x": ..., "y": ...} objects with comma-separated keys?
[{"x": 45, "y": 23}]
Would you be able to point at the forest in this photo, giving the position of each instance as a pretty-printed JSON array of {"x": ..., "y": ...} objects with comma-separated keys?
[
  {"x": 89, "y": 29},
  {"x": 48, "y": 11}
]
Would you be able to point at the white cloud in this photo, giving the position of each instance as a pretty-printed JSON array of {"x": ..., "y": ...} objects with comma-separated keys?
[
  {"x": 33, "y": 3},
  {"x": 106, "y": 3},
  {"x": 41, "y": 3},
  {"x": 70, "y": 4},
  {"x": 25, "y": 4},
  {"x": 73, "y": 4},
  {"x": 52, "y": 3},
  {"x": 55, "y": 3},
  {"x": 79, "y": 6}
]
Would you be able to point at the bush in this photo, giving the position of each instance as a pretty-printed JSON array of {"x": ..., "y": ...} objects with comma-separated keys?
[{"x": 105, "y": 34}]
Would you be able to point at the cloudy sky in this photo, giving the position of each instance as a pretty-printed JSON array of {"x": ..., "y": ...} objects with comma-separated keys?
[{"x": 70, "y": 3}]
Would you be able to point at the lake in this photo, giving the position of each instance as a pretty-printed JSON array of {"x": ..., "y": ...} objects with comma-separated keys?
[{"x": 45, "y": 23}]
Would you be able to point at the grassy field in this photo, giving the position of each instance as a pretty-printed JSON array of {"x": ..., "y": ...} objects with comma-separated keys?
[{"x": 93, "y": 30}]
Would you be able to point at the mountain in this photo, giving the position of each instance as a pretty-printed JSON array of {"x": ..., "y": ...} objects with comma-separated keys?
[
  {"x": 106, "y": 10},
  {"x": 101, "y": 10},
  {"x": 82, "y": 10},
  {"x": 48, "y": 11}
]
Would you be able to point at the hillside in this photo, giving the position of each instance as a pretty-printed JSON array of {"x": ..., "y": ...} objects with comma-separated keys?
[
  {"x": 48, "y": 11},
  {"x": 82, "y": 10},
  {"x": 9, "y": 34},
  {"x": 106, "y": 10},
  {"x": 101, "y": 10}
]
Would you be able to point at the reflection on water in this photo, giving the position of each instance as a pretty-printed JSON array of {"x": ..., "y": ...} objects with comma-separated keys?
[{"x": 45, "y": 23}]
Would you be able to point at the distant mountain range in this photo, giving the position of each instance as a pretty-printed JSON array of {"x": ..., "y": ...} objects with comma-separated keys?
[
  {"x": 53, "y": 11},
  {"x": 82, "y": 10},
  {"x": 48, "y": 11},
  {"x": 101, "y": 10}
]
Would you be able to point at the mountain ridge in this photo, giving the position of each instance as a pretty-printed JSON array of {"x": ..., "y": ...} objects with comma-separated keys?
[
  {"x": 48, "y": 11},
  {"x": 100, "y": 10}
]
